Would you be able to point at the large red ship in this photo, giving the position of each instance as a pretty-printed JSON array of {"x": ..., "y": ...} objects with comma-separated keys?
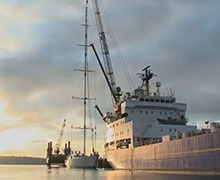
[{"x": 148, "y": 131}]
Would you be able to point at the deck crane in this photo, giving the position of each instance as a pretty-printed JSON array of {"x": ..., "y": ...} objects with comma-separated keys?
[
  {"x": 115, "y": 91},
  {"x": 59, "y": 140}
]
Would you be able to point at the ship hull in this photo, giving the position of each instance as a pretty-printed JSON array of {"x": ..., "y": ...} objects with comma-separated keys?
[
  {"x": 82, "y": 162},
  {"x": 198, "y": 153}
]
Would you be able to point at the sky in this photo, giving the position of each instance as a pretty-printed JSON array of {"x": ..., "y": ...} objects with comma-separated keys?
[{"x": 180, "y": 40}]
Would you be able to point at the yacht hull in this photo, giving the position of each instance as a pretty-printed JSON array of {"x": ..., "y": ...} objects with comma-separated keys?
[{"x": 82, "y": 162}]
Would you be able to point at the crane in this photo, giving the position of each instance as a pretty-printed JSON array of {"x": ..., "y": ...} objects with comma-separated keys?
[
  {"x": 115, "y": 91},
  {"x": 59, "y": 140}
]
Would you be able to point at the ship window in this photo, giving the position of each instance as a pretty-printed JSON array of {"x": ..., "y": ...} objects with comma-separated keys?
[
  {"x": 161, "y": 130},
  {"x": 170, "y": 129},
  {"x": 160, "y": 113},
  {"x": 165, "y": 113},
  {"x": 141, "y": 99},
  {"x": 117, "y": 124},
  {"x": 167, "y": 101},
  {"x": 152, "y": 112},
  {"x": 140, "y": 112},
  {"x": 171, "y": 113},
  {"x": 162, "y": 100},
  {"x": 146, "y": 112},
  {"x": 128, "y": 130},
  {"x": 152, "y": 100},
  {"x": 175, "y": 130},
  {"x": 113, "y": 125},
  {"x": 132, "y": 111},
  {"x": 125, "y": 115},
  {"x": 111, "y": 143},
  {"x": 147, "y": 100},
  {"x": 157, "y": 100}
]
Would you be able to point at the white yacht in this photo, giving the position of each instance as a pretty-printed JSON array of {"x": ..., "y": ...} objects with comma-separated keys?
[{"x": 77, "y": 159}]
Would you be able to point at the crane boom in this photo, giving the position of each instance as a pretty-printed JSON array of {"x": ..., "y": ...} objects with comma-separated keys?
[
  {"x": 59, "y": 140},
  {"x": 105, "y": 49}
]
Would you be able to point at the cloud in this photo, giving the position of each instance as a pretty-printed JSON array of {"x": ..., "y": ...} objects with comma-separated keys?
[{"x": 38, "y": 55}]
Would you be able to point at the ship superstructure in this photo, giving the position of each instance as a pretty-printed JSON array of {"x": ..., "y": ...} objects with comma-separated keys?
[{"x": 143, "y": 117}]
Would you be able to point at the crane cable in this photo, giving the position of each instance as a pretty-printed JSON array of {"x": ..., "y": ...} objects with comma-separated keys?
[{"x": 115, "y": 44}]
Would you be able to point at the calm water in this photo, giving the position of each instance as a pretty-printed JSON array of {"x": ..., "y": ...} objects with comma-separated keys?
[{"x": 11, "y": 172}]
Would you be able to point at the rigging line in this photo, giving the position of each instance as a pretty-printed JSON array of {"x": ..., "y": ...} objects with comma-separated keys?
[
  {"x": 89, "y": 111},
  {"x": 81, "y": 77},
  {"x": 89, "y": 106},
  {"x": 95, "y": 112},
  {"x": 115, "y": 44},
  {"x": 124, "y": 67}
]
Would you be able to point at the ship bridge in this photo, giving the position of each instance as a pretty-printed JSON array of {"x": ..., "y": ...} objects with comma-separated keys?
[{"x": 145, "y": 116}]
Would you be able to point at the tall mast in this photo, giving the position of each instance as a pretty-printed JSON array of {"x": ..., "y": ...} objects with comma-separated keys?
[
  {"x": 85, "y": 74},
  {"x": 86, "y": 97}
]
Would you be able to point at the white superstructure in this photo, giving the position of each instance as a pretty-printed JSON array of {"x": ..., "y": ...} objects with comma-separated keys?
[{"x": 143, "y": 118}]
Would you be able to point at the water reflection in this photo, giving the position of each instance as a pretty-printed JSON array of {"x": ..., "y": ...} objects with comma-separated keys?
[
  {"x": 125, "y": 175},
  {"x": 128, "y": 175},
  {"x": 43, "y": 173}
]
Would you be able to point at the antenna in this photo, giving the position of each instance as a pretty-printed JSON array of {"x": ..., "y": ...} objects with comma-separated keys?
[
  {"x": 146, "y": 77},
  {"x": 158, "y": 85}
]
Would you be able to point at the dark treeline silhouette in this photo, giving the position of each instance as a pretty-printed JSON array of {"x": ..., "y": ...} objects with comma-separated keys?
[{"x": 21, "y": 160}]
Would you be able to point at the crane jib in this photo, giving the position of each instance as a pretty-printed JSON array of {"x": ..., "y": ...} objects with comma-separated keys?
[{"x": 105, "y": 52}]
